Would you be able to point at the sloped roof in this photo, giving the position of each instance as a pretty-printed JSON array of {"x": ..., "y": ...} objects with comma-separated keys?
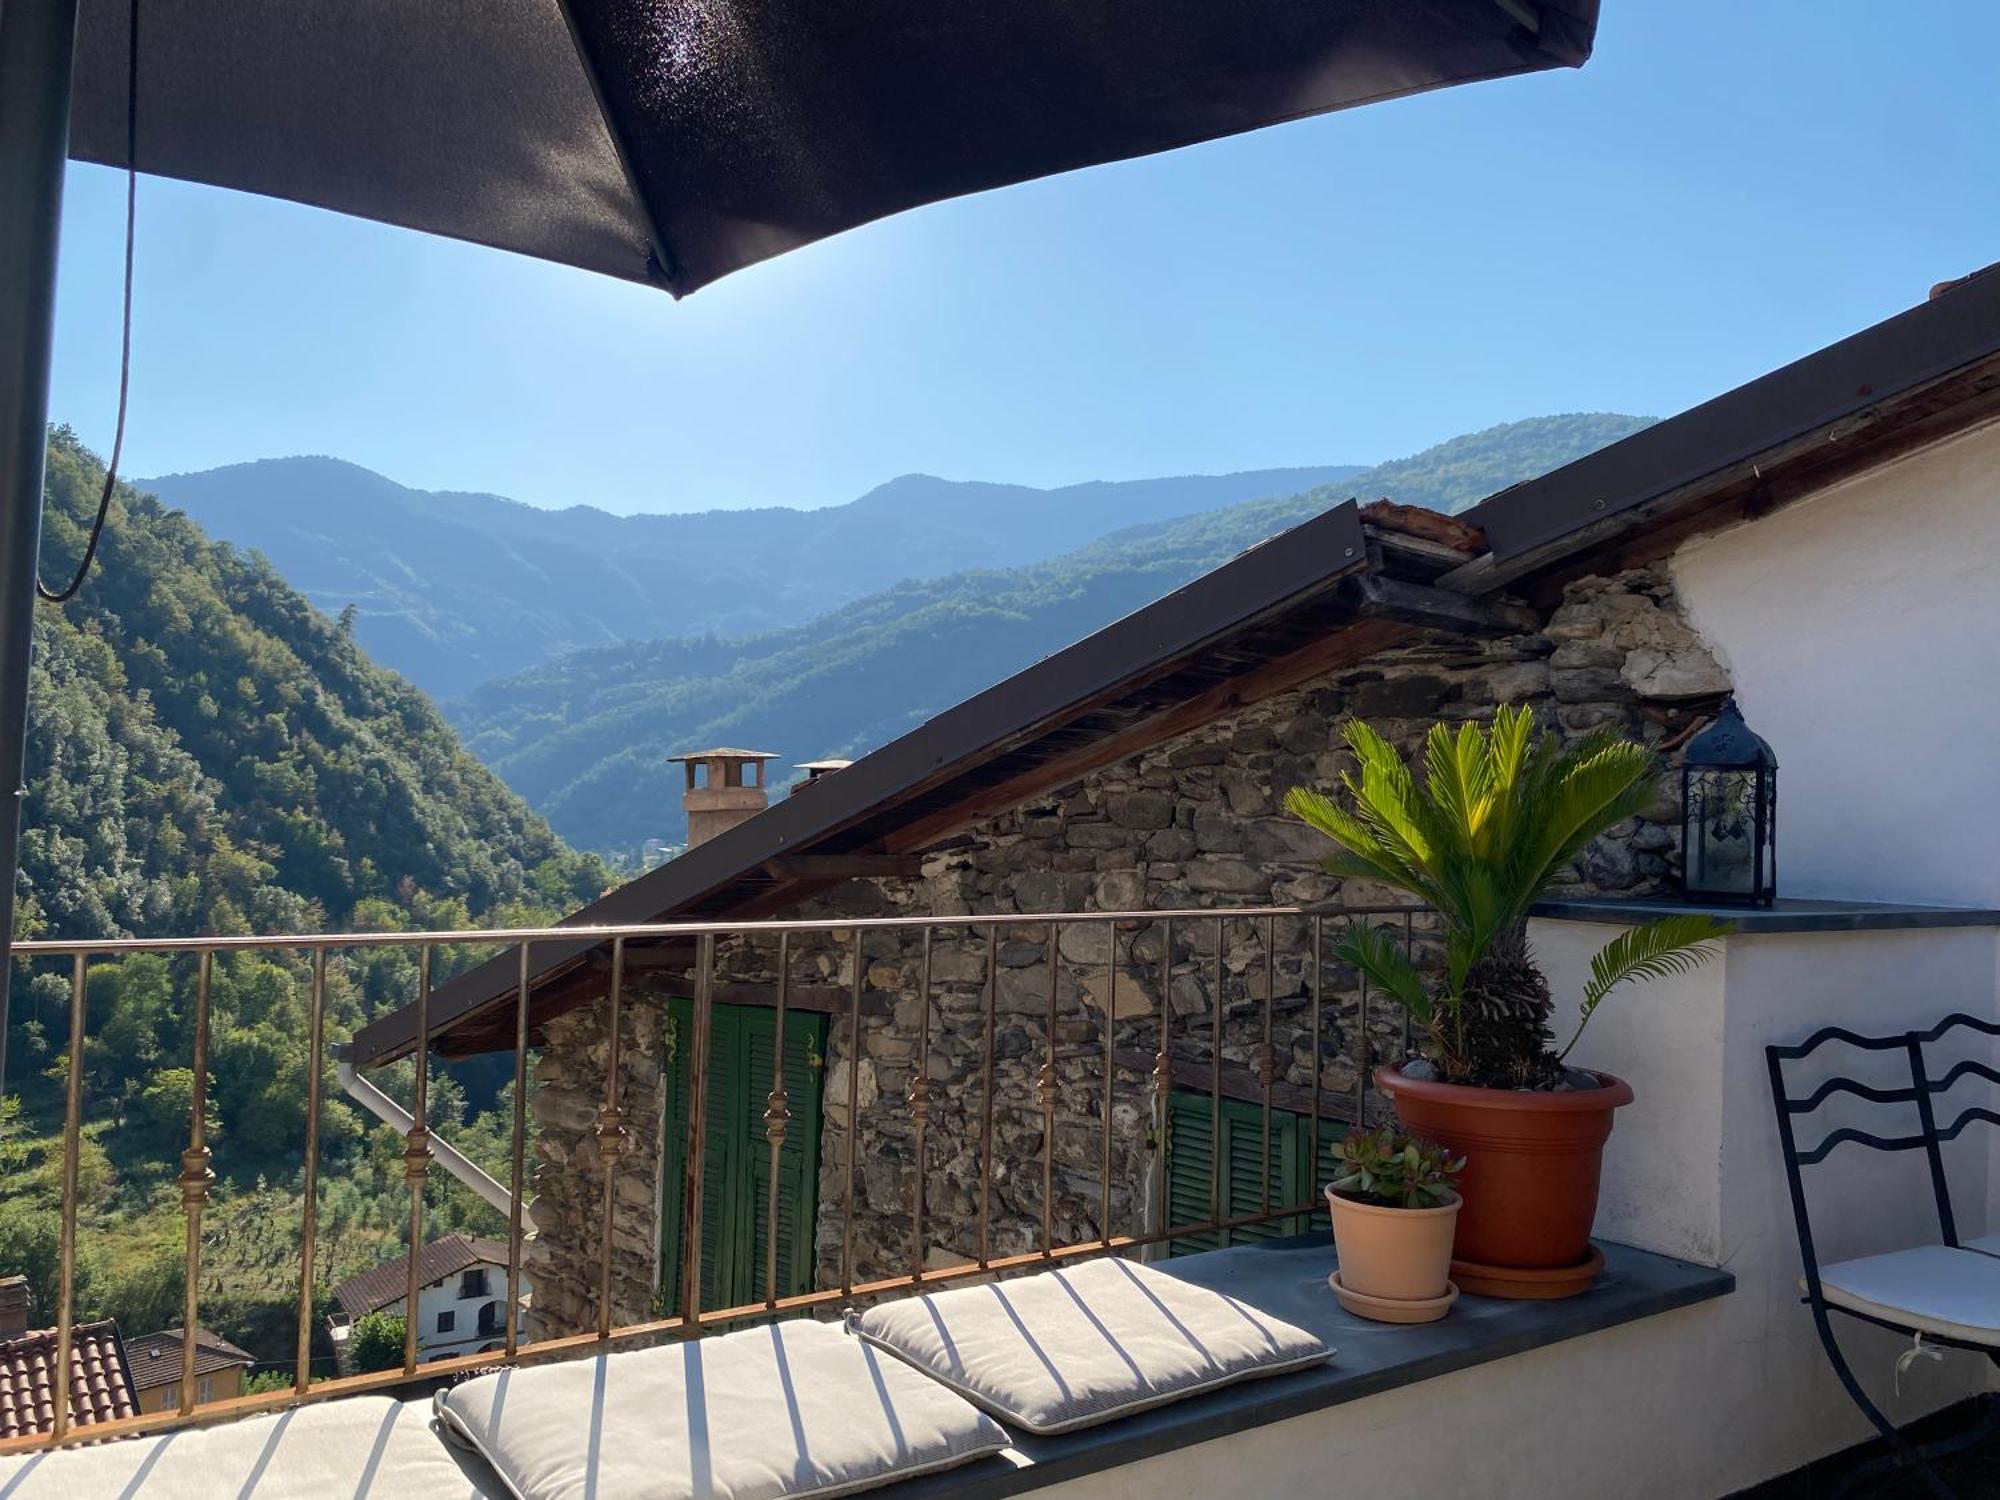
[
  {"x": 1328, "y": 586},
  {"x": 154, "y": 1359},
  {"x": 382, "y": 1285},
  {"x": 100, "y": 1387}
]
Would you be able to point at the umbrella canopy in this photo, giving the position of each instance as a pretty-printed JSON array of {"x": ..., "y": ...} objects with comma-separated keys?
[{"x": 679, "y": 140}]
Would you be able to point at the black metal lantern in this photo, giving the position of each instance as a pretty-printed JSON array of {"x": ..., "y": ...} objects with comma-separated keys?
[{"x": 1729, "y": 815}]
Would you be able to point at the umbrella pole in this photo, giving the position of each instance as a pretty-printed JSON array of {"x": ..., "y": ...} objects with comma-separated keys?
[{"x": 37, "y": 50}]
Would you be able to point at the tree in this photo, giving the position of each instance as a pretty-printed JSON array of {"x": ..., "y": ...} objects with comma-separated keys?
[
  {"x": 376, "y": 1342},
  {"x": 162, "y": 1107},
  {"x": 30, "y": 1246},
  {"x": 145, "y": 1297}
]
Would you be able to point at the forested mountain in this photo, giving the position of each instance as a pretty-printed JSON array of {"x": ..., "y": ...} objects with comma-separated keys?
[
  {"x": 209, "y": 754},
  {"x": 584, "y": 739},
  {"x": 455, "y": 589}
]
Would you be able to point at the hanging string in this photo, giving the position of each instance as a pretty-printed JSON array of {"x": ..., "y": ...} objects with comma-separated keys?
[{"x": 63, "y": 595}]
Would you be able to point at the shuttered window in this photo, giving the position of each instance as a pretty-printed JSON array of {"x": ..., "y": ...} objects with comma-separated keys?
[
  {"x": 736, "y": 1158},
  {"x": 1240, "y": 1184}
]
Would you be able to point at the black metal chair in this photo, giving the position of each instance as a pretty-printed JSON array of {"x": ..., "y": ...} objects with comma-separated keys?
[{"x": 1947, "y": 1292}]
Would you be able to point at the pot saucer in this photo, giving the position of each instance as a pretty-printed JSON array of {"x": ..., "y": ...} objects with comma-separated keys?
[
  {"x": 1394, "y": 1309},
  {"x": 1528, "y": 1285}
]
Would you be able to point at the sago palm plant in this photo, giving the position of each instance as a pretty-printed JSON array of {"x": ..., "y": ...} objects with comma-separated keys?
[{"x": 1497, "y": 815}]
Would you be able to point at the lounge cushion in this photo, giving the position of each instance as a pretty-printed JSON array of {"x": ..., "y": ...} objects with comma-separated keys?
[
  {"x": 1933, "y": 1288},
  {"x": 353, "y": 1448},
  {"x": 795, "y": 1408},
  {"x": 1086, "y": 1344}
]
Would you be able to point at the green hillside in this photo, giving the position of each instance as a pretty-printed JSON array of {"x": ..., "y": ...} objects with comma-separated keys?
[
  {"x": 209, "y": 754},
  {"x": 585, "y": 738}
]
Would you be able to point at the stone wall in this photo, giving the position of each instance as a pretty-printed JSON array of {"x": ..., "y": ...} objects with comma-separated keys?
[{"x": 1193, "y": 823}]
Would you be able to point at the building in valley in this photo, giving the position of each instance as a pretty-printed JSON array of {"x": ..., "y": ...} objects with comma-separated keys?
[
  {"x": 461, "y": 1297},
  {"x": 157, "y": 1365},
  {"x": 1820, "y": 542}
]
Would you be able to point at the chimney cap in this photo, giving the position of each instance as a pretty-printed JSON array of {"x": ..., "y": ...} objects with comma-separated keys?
[
  {"x": 822, "y": 765},
  {"x": 725, "y": 753}
]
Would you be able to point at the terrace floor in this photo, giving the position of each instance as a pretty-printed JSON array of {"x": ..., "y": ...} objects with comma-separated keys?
[{"x": 1974, "y": 1475}]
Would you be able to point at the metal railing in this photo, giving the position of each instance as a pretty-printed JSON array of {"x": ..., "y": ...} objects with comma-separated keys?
[{"x": 612, "y": 1126}]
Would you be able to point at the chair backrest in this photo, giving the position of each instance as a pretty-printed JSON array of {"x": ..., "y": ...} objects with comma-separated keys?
[{"x": 1921, "y": 1091}]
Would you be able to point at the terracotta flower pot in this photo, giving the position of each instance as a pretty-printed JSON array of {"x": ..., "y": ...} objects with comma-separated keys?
[
  {"x": 1403, "y": 1254},
  {"x": 1531, "y": 1163}
]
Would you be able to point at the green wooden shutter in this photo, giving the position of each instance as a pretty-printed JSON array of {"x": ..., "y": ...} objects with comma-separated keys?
[
  {"x": 736, "y": 1156},
  {"x": 1190, "y": 1131},
  {"x": 719, "y": 1166},
  {"x": 1189, "y": 1152}
]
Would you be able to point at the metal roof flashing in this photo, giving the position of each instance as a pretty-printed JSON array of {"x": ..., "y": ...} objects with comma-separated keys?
[{"x": 1953, "y": 330}]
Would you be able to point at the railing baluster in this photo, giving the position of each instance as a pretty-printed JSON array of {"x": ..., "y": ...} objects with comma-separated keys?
[
  {"x": 518, "y": 1160},
  {"x": 1048, "y": 1101},
  {"x": 417, "y": 1154},
  {"x": 309, "y": 1203},
  {"x": 66, "y": 1245},
  {"x": 1409, "y": 953},
  {"x": 1110, "y": 1078},
  {"x": 697, "y": 1129},
  {"x": 853, "y": 1115},
  {"x": 777, "y": 1115},
  {"x": 611, "y": 1134},
  {"x": 1318, "y": 995},
  {"x": 1362, "y": 1053},
  {"x": 986, "y": 1095},
  {"x": 1163, "y": 1078},
  {"x": 919, "y": 1100},
  {"x": 195, "y": 1180},
  {"x": 1267, "y": 1061},
  {"x": 1215, "y": 1091}
]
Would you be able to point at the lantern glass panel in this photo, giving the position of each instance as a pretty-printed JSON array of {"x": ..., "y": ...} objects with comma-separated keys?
[{"x": 1730, "y": 827}]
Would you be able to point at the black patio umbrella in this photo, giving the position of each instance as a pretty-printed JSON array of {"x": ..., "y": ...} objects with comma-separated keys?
[{"x": 671, "y": 141}]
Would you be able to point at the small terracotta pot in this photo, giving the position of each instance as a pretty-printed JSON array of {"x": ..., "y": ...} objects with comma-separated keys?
[
  {"x": 1531, "y": 1163},
  {"x": 1403, "y": 1254}
]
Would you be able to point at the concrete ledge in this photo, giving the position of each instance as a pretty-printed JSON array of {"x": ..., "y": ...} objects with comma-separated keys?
[
  {"x": 1287, "y": 1278},
  {"x": 1791, "y": 914}
]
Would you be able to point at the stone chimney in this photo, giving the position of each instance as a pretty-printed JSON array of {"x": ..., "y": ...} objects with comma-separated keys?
[
  {"x": 724, "y": 787},
  {"x": 13, "y": 1306},
  {"x": 815, "y": 770}
]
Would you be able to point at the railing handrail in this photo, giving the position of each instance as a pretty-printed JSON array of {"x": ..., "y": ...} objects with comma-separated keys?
[{"x": 605, "y": 932}]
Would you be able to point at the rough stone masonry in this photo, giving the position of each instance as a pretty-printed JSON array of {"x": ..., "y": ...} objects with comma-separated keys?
[{"x": 1193, "y": 822}]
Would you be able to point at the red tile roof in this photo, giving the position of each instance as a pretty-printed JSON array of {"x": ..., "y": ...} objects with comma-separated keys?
[
  {"x": 155, "y": 1358},
  {"x": 386, "y": 1283},
  {"x": 100, "y": 1387}
]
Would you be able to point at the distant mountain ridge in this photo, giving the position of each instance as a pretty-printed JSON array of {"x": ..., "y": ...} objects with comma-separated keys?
[
  {"x": 584, "y": 738},
  {"x": 453, "y": 589}
]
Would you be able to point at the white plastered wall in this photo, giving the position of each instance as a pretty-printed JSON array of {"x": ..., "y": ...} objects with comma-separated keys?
[{"x": 1861, "y": 627}]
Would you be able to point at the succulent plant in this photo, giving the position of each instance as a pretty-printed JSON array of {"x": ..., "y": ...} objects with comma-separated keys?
[{"x": 1394, "y": 1170}]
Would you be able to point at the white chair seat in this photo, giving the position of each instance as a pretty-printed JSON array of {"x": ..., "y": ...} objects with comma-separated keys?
[
  {"x": 1932, "y": 1288},
  {"x": 1986, "y": 1244}
]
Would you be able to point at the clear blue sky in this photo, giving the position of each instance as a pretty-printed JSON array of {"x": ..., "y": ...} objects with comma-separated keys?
[{"x": 1725, "y": 187}]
